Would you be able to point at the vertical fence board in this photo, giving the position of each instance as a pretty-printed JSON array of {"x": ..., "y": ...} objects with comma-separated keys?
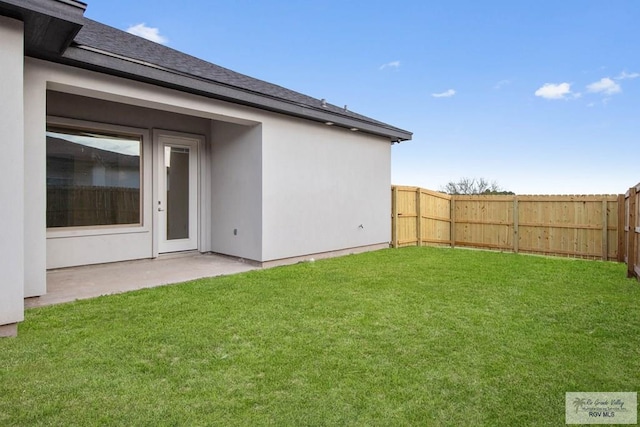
[
  {"x": 516, "y": 225},
  {"x": 394, "y": 217},
  {"x": 632, "y": 258},
  {"x": 636, "y": 233},
  {"x": 419, "y": 215},
  {"x": 605, "y": 230},
  {"x": 620, "y": 228},
  {"x": 627, "y": 215},
  {"x": 612, "y": 230},
  {"x": 452, "y": 215}
]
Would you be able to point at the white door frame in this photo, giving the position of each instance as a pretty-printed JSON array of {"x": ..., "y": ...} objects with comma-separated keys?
[{"x": 194, "y": 143}]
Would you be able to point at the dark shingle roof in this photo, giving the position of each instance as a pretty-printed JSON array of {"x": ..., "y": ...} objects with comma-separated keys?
[
  {"x": 105, "y": 39},
  {"x": 57, "y": 31}
]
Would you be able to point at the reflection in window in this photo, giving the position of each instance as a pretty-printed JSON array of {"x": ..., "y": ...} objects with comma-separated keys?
[{"x": 92, "y": 178}]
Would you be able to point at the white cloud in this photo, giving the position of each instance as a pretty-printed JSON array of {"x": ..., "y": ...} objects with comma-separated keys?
[
  {"x": 624, "y": 75},
  {"x": 447, "y": 94},
  {"x": 605, "y": 86},
  {"x": 502, "y": 83},
  {"x": 555, "y": 91},
  {"x": 392, "y": 64},
  {"x": 148, "y": 33}
]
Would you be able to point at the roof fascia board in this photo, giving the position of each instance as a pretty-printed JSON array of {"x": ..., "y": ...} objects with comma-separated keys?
[
  {"x": 130, "y": 69},
  {"x": 49, "y": 26},
  {"x": 67, "y": 10}
]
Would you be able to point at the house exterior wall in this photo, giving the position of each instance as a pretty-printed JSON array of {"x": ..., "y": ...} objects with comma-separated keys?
[
  {"x": 12, "y": 255},
  {"x": 324, "y": 188},
  {"x": 236, "y": 192},
  {"x": 35, "y": 111},
  {"x": 289, "y": 187}
]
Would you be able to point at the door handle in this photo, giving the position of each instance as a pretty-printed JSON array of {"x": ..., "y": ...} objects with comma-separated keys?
[{"x": 160, "y": 210}]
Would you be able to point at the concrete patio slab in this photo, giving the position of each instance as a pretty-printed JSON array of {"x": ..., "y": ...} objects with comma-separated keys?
[{"x": 70, "y": 284}]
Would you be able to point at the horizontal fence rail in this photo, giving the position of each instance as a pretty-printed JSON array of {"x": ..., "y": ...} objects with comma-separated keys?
[{"x": 574, "y": 225}]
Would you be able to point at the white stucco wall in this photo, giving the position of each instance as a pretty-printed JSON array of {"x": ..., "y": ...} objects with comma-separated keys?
[
  {"x": 35, "y": 177},
  {"x": 325, "y": 188},
  {"x": 290, "y": 187},
  {"x": 236, "y": 190},
  {"x": 12, "y": 266}
]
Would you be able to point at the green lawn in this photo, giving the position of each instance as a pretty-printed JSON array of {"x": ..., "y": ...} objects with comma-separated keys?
[{"x": 414, "y": 336}]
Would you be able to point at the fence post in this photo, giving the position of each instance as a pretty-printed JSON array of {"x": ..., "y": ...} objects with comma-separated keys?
[
  {"x": 631, "y": 246},
  {"x": 605, "y": 230},
  {"x": 452, "y": 224},
  {"x": 394, "y": 217},
  {"x": 419, "y": 215},
  {"x": 621, "y": 212},
  {"x": 516, "y": 221}
]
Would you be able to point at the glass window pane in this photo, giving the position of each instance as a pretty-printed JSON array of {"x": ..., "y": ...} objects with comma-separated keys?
[
  {"x": 177, "y": 170},
  {"x": 92, "y": 178}
]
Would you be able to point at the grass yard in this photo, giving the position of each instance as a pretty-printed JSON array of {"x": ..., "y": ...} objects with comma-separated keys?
[{"x": 414, "y": 336}]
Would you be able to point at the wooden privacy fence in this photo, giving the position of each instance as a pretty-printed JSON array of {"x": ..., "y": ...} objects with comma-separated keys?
[
  {"x": 632, "y": 231},
  {"x": 576, "y": 226},
  {"x": 82, "y": 206}
]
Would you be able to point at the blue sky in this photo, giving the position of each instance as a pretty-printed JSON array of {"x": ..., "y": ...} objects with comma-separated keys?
[{"x": 542, "y": 97}]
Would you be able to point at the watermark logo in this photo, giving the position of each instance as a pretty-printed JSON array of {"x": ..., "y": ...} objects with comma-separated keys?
[{"x": 601, "y": 408}]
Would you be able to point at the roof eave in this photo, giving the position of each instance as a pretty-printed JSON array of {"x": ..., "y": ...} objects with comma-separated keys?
[
  {"x": 48, "y": 26},
  {"x": 113, "y": 65}
]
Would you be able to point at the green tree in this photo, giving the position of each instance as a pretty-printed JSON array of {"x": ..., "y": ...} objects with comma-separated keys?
[{"x": 474, "y": 186}]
